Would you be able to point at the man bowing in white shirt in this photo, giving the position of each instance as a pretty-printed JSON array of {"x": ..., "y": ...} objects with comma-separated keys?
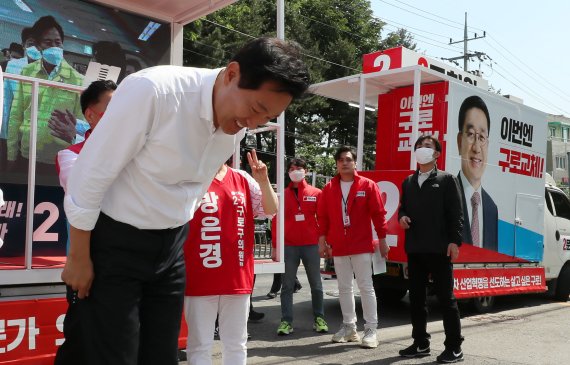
[{"x": 138, "y": 181}]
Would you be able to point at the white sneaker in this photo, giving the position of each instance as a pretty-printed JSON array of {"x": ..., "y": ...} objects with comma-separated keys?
[
  {"x": 369, "y": 340},
  {"x": 346, "y": 333}
]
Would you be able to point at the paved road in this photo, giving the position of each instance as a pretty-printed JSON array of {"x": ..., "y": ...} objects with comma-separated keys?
[{"x": 521, "y": 330}]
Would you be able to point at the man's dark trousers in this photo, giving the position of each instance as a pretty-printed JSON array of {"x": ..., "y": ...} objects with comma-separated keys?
[
  {"x": 133, "y": 312},
  {"x": 420, "y": 265}
]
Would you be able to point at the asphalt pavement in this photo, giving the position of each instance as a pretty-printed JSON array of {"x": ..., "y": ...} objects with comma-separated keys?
[{"x": 529, "y": 329}]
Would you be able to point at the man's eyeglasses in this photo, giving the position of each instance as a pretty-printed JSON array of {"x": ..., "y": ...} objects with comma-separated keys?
[{"x": 472, "y": 136}]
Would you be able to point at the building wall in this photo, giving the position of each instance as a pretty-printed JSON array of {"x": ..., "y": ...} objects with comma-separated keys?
[{"x": 558, "y": 147}]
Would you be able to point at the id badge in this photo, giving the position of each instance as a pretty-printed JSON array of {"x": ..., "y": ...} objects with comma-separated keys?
[
  {"x": 347, "y": 221},
  {"x": 299, "y": 217}
]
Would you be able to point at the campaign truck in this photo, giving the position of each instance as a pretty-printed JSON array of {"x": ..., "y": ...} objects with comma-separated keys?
[
  {"x": 103, "y": 39},
  {"x": 520, "y": 241}
]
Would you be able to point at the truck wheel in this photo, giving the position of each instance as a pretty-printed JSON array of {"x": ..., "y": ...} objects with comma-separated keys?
[
  {"x": 563, "y": 284},
  {"x": 483, "y": 304},
  {"x": 390, "y": 295}
]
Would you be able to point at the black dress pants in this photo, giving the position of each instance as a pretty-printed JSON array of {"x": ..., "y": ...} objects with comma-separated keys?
[
  {"x": 133, "y": 312},
  {"x": 420, "y": 266}
]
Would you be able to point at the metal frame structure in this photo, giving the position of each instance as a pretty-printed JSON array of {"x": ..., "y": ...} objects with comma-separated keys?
[
  {"x": 369, "y": 86},
  {"x": 30, "y": 275},
  {"x": 177, "y": 13}
]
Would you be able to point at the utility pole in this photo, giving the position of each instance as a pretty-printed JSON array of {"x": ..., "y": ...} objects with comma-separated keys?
[{"x": 466, "y": 56}]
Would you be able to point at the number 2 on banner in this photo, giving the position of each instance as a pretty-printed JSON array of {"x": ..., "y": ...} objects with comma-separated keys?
[
  {"x": 41, "y": 233},
  {"x": 391, "y": 203}
]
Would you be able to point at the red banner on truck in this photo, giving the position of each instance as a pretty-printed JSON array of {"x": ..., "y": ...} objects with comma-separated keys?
[
  {"x": 469, "y": 283},
  {"x": 32, "y": 330}
]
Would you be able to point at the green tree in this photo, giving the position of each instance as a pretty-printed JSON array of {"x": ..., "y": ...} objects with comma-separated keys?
[{"x": 334, "y": 35}]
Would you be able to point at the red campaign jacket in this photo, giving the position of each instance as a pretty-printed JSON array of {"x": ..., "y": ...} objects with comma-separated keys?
[
  {"x": 364, "y": 205},
  {"x": 299, "y": 233}
]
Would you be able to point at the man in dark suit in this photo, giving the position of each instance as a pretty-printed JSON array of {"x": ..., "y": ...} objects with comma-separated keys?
[{"x": 480, "y": 212}]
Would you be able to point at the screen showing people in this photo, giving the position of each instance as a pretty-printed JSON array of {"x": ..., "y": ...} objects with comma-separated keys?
[
  {"x": 59, "y": 44},
  {"x": 60, "y": 47}
]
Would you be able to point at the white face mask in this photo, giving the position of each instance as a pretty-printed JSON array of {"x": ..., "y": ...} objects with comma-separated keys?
[
  {"x": 297, "y": 175},
  {"x": 424, "y": 155}
]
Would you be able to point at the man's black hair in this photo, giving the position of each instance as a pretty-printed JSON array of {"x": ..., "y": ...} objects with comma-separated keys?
[
  {"x": 296, "y": 161},
  {"x": 271, "y": 59},
  {"x": 473, "y": 101},
  {"x": 44, "y": 24},
  {"x": 433, "y": 139},
  {"x": 112, "y": 54},
  {"x": 91, "y": 95},
  {"x": 343, "y": 149},
  {"x": 26, "y": 34},
  {"x": 16, "y": 47}
]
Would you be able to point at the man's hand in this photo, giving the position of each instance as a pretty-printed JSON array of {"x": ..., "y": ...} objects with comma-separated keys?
[
  {"x": 453, "y": 251},
  {"x": 324, "y": 250},
  {"x": 62, "y": 125},
  {"x": 384, "y": 248},
  {"x": 78, "y": 271},
  {"x": 405, "y": 222},
  {"x": 78, "y": 274}
]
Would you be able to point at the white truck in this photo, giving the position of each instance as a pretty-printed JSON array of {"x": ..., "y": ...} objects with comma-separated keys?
[{"x": 523, "y": 247}]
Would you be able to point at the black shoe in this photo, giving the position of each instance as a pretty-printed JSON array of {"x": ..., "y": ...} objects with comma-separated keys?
[
  {"x": 297, "y": 288},
  {"x": 450, "y": 356},
  {"x": 415, "y": 350},
  {"x": 217, "y": 333},
  {"x": 271, "y": 295},
  {"x": 255, "y": 316}
]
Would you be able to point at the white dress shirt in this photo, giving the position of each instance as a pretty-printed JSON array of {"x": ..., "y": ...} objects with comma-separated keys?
[
  {"x": 468, "y": 191},
  {"x": 153, "y": 154},
  {"x": 423, "y": 176}
]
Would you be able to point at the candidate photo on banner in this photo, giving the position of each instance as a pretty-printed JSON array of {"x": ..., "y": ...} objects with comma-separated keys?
[{"x": 497, "y": 150}]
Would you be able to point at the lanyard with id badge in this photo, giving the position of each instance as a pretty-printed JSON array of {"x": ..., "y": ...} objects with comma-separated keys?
[
  {"x": 299, "y": 217},
  {"x": 346, "y": 217}
]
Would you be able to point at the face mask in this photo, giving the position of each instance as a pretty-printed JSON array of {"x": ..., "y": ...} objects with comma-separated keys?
[
  {"x": 53, "y": 55},
  {"x": 424, "y": 155},
  {"x": 296, "y": 175},
  {"x": 33, "y": 53}
]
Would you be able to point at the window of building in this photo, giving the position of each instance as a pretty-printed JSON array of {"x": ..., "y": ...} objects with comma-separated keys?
[
  {"x": 552, "y": 132},
  {"x": 565, "y": 134}
]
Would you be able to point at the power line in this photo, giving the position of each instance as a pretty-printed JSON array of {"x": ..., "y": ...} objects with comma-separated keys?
[
  {"x": 527, "y": 91},
  {"x": 201, "y": 54},
  {"x": 304, "y": 54},
  {"x": 421, "y": 36},
  {"x": 423, "y": 16},
  {"x": 427, "y": 12},
  {"x": 330, "y": 26},
  {"x": 538, "y": 80},
  {"x": 228, "y": 28},
  {"x": 438, "y": 16},
  {"x": 386, "y": 20},
  {"x": 527, "y": 66}
]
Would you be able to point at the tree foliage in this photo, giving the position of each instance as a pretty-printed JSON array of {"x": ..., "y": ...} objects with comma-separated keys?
[{"x": 334, "y": 35}]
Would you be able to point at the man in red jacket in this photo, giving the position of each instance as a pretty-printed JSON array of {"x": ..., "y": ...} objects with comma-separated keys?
[
  {"x": 347, "y": 205},
  {"x": 301, "y": 237}
]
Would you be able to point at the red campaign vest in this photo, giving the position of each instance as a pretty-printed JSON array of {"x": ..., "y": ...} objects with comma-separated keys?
[{"x": 219, "y": 249}]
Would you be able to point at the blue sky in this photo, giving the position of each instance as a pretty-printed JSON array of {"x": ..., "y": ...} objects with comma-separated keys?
[{"x": 526, "y": 41}]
